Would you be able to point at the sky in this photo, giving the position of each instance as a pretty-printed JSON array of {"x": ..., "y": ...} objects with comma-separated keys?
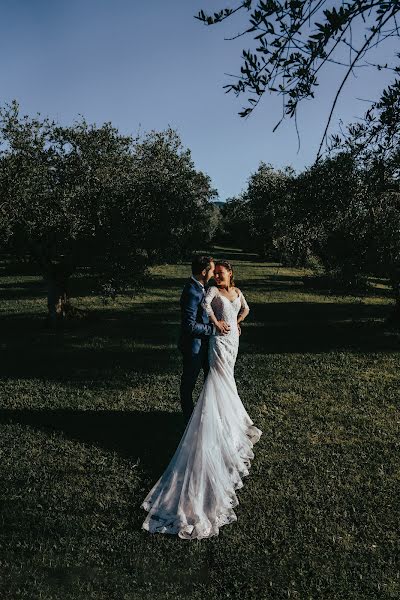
[{"x": 150, "y": 65}]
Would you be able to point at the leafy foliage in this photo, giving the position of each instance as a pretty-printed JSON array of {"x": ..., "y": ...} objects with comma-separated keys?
[
  {"x": 374, "y": 144},
  {"x": 295, "y": 40},
  {"x": 87, "y": 196},
  {"x": 268, "y": 196},
  {"x": 337, "y": 217},
  {"x": 175, "y": 213},
  {"x": 235, "y": 227}
]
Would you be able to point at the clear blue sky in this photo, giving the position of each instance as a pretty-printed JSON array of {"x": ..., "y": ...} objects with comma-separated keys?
[{"x": 147, "y": 65}]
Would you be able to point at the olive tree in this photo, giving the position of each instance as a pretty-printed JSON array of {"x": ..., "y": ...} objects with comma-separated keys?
[
  {"x": 87, "y": 196},
  {"x": 176, "y": 213}
]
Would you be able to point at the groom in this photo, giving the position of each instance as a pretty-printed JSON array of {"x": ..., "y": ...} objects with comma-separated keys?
[{"x": 195, "y": 330}]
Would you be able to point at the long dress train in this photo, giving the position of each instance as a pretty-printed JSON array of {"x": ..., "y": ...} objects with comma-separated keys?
[{"x": 195, "y": 495}]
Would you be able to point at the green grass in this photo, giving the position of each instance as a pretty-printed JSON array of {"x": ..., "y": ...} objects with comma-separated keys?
[{"x": 90, "y": 417}]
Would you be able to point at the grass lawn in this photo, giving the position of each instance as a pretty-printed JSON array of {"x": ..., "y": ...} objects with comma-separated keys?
[{"x": 90, "y": 417}]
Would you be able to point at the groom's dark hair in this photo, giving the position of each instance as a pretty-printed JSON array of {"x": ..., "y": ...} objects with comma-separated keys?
[{"x": 199, "y": 263}]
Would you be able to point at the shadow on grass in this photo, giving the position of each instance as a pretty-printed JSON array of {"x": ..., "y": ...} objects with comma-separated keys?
[
  {"x": 98, "y": 367},
  {"x": 145, "y": 341},
  {"x": 295, "y": 283},
  {"x": 284, "y": 327},
  {"x": 234, "y": 255},
  {"x": 97, "y": 349},
  {"x": 149, "y": 438},
  {"x": 23, "y": 290},
  {"x": 79, "y": 284},
  {"x": 164, "y": 284}
]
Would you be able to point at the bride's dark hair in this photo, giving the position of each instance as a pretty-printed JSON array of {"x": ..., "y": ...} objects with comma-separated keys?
[{"x": 228, "y": 267}]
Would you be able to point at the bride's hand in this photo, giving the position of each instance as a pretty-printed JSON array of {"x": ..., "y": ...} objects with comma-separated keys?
[
  {"x": 223, "y": 327},
  {"x": 239, "y": 329}
]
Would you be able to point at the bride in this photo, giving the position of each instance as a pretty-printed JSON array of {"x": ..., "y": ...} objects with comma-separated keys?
[{"x": 195, "y": 495}]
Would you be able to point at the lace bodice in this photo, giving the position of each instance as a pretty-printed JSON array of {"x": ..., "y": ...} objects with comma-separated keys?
[{"x": 223, "y": 308}]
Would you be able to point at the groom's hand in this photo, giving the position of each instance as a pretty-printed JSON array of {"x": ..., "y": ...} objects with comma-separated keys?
[{"x": 223, "y": 327}]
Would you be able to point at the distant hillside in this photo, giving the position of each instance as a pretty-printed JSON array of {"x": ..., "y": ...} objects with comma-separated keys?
[{"x": 219, "y": 204}]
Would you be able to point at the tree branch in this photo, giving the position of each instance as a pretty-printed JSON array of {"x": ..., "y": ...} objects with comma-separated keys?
[{"x": 359, "y": 53}]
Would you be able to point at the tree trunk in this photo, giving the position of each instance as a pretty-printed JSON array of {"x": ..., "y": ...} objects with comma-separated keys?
[{"x": 57, "y": 293}]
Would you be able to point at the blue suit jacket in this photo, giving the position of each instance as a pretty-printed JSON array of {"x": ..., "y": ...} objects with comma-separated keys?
[{"x": 195, "y": 324}]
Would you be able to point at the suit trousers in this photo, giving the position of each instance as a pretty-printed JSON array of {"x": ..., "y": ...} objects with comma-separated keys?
[{"x": 192, "y": 364}]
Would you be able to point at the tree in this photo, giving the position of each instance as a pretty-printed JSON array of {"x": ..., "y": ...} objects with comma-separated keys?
[
  {"x": 65, "y": 202},
  {"x": 268, "y": 198},
  {"x": 296, "y": 39},
  {"x": 176, "y": 211},
  {"x": 255, "y": 219},
  {"x": 330, "y": 206},
  {"x": 374, "y": 144},
  {"x": 87, "y": 196},
  {"x": 235, "y": 224}
]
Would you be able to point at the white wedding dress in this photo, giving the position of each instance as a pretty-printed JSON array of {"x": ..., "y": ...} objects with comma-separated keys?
[{"x": 195, "y": 496}]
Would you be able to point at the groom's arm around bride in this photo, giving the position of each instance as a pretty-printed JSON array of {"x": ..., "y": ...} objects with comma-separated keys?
[{"x": 195, "y": 330}]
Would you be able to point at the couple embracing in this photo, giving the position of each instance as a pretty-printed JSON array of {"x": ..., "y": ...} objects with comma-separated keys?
[{"x": 196, "y": 495}]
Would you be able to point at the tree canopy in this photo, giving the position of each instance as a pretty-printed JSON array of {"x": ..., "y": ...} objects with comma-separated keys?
[{"x": 88, "y": 196}]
